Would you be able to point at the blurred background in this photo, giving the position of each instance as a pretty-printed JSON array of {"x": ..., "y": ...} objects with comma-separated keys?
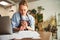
[{"x": 45, "y": 12}]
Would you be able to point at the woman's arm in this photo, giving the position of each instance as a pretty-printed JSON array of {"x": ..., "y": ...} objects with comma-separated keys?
[
  {"x": 16, "y": 29},
  {"x": 29, "y": 28},
  {"x": 32, "y": 23}
]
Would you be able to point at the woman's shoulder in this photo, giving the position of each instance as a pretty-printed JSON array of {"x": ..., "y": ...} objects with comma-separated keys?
[
  {"x": 30, "y": 16},
  {"x": 16, "y": 13}
]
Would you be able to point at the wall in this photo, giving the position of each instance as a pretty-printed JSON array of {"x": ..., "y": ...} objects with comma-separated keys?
[
  {"x": 10, "y": 13},
  {"x": 51, "y": 7},
  {"x": 3, "y": 11},
  {"x": 7, "y": 11}
]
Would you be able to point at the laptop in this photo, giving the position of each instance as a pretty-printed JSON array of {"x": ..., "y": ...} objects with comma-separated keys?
[{"x": 5, "y": 25}]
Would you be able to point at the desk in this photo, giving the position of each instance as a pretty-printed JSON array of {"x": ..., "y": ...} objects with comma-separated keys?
[
  {"x": 46, "y": 35},
  {"x": 43, "y": 35}
]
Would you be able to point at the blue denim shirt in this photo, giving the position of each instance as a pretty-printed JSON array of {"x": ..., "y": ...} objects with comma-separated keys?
[{"x": 16, "y": 20}]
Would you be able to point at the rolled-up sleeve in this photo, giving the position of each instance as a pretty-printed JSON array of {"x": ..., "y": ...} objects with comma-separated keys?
[
  {"x": 13, "y": 23},
  {"x": 32, "y": 23}
]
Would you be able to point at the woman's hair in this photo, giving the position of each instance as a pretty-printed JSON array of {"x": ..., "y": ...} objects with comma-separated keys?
[{"x": 23, "y": 2}]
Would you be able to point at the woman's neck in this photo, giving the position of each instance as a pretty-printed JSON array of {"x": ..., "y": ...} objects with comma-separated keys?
[{"x": 23, "y": 14}]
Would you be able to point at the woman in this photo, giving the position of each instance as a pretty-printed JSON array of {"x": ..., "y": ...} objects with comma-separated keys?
[{"x": 22, "y": 15}]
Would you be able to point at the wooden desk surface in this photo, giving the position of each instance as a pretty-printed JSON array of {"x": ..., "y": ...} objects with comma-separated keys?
[
  {"x": 43, "y": 35},
  {"x": 46, "y": 35}
]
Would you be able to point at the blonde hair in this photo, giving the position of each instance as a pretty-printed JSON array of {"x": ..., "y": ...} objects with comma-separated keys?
[{"x": 23, "y": 2}]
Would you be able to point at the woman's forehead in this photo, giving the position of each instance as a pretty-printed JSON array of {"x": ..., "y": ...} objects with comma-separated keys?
[{"x": 23, "y": 21}]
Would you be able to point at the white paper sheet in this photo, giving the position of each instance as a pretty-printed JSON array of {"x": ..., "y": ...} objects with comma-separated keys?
[{"x": 27, "y": 34}]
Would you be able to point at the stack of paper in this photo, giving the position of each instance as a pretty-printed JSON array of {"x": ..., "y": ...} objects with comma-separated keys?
[{"x": 27, "y": 34}]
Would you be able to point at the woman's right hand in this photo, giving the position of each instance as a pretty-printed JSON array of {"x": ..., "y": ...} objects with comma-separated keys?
[{"x": 22, "y": 28}]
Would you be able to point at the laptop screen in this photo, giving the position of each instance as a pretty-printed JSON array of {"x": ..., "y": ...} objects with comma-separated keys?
[{"x": 5, "y": 25}]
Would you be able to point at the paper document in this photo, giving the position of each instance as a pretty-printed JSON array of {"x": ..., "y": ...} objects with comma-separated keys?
[{"x": 27, "y": 34}]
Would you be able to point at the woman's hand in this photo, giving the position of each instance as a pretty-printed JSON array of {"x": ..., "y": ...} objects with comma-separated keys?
[
  {"x": 24, "y": 25},
  {"x": 22, "y": 28},
  {"x": 29, "y": 28}
]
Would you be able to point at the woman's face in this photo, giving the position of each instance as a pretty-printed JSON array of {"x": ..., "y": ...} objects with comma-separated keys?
[{"x": 23, "y": 9}]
